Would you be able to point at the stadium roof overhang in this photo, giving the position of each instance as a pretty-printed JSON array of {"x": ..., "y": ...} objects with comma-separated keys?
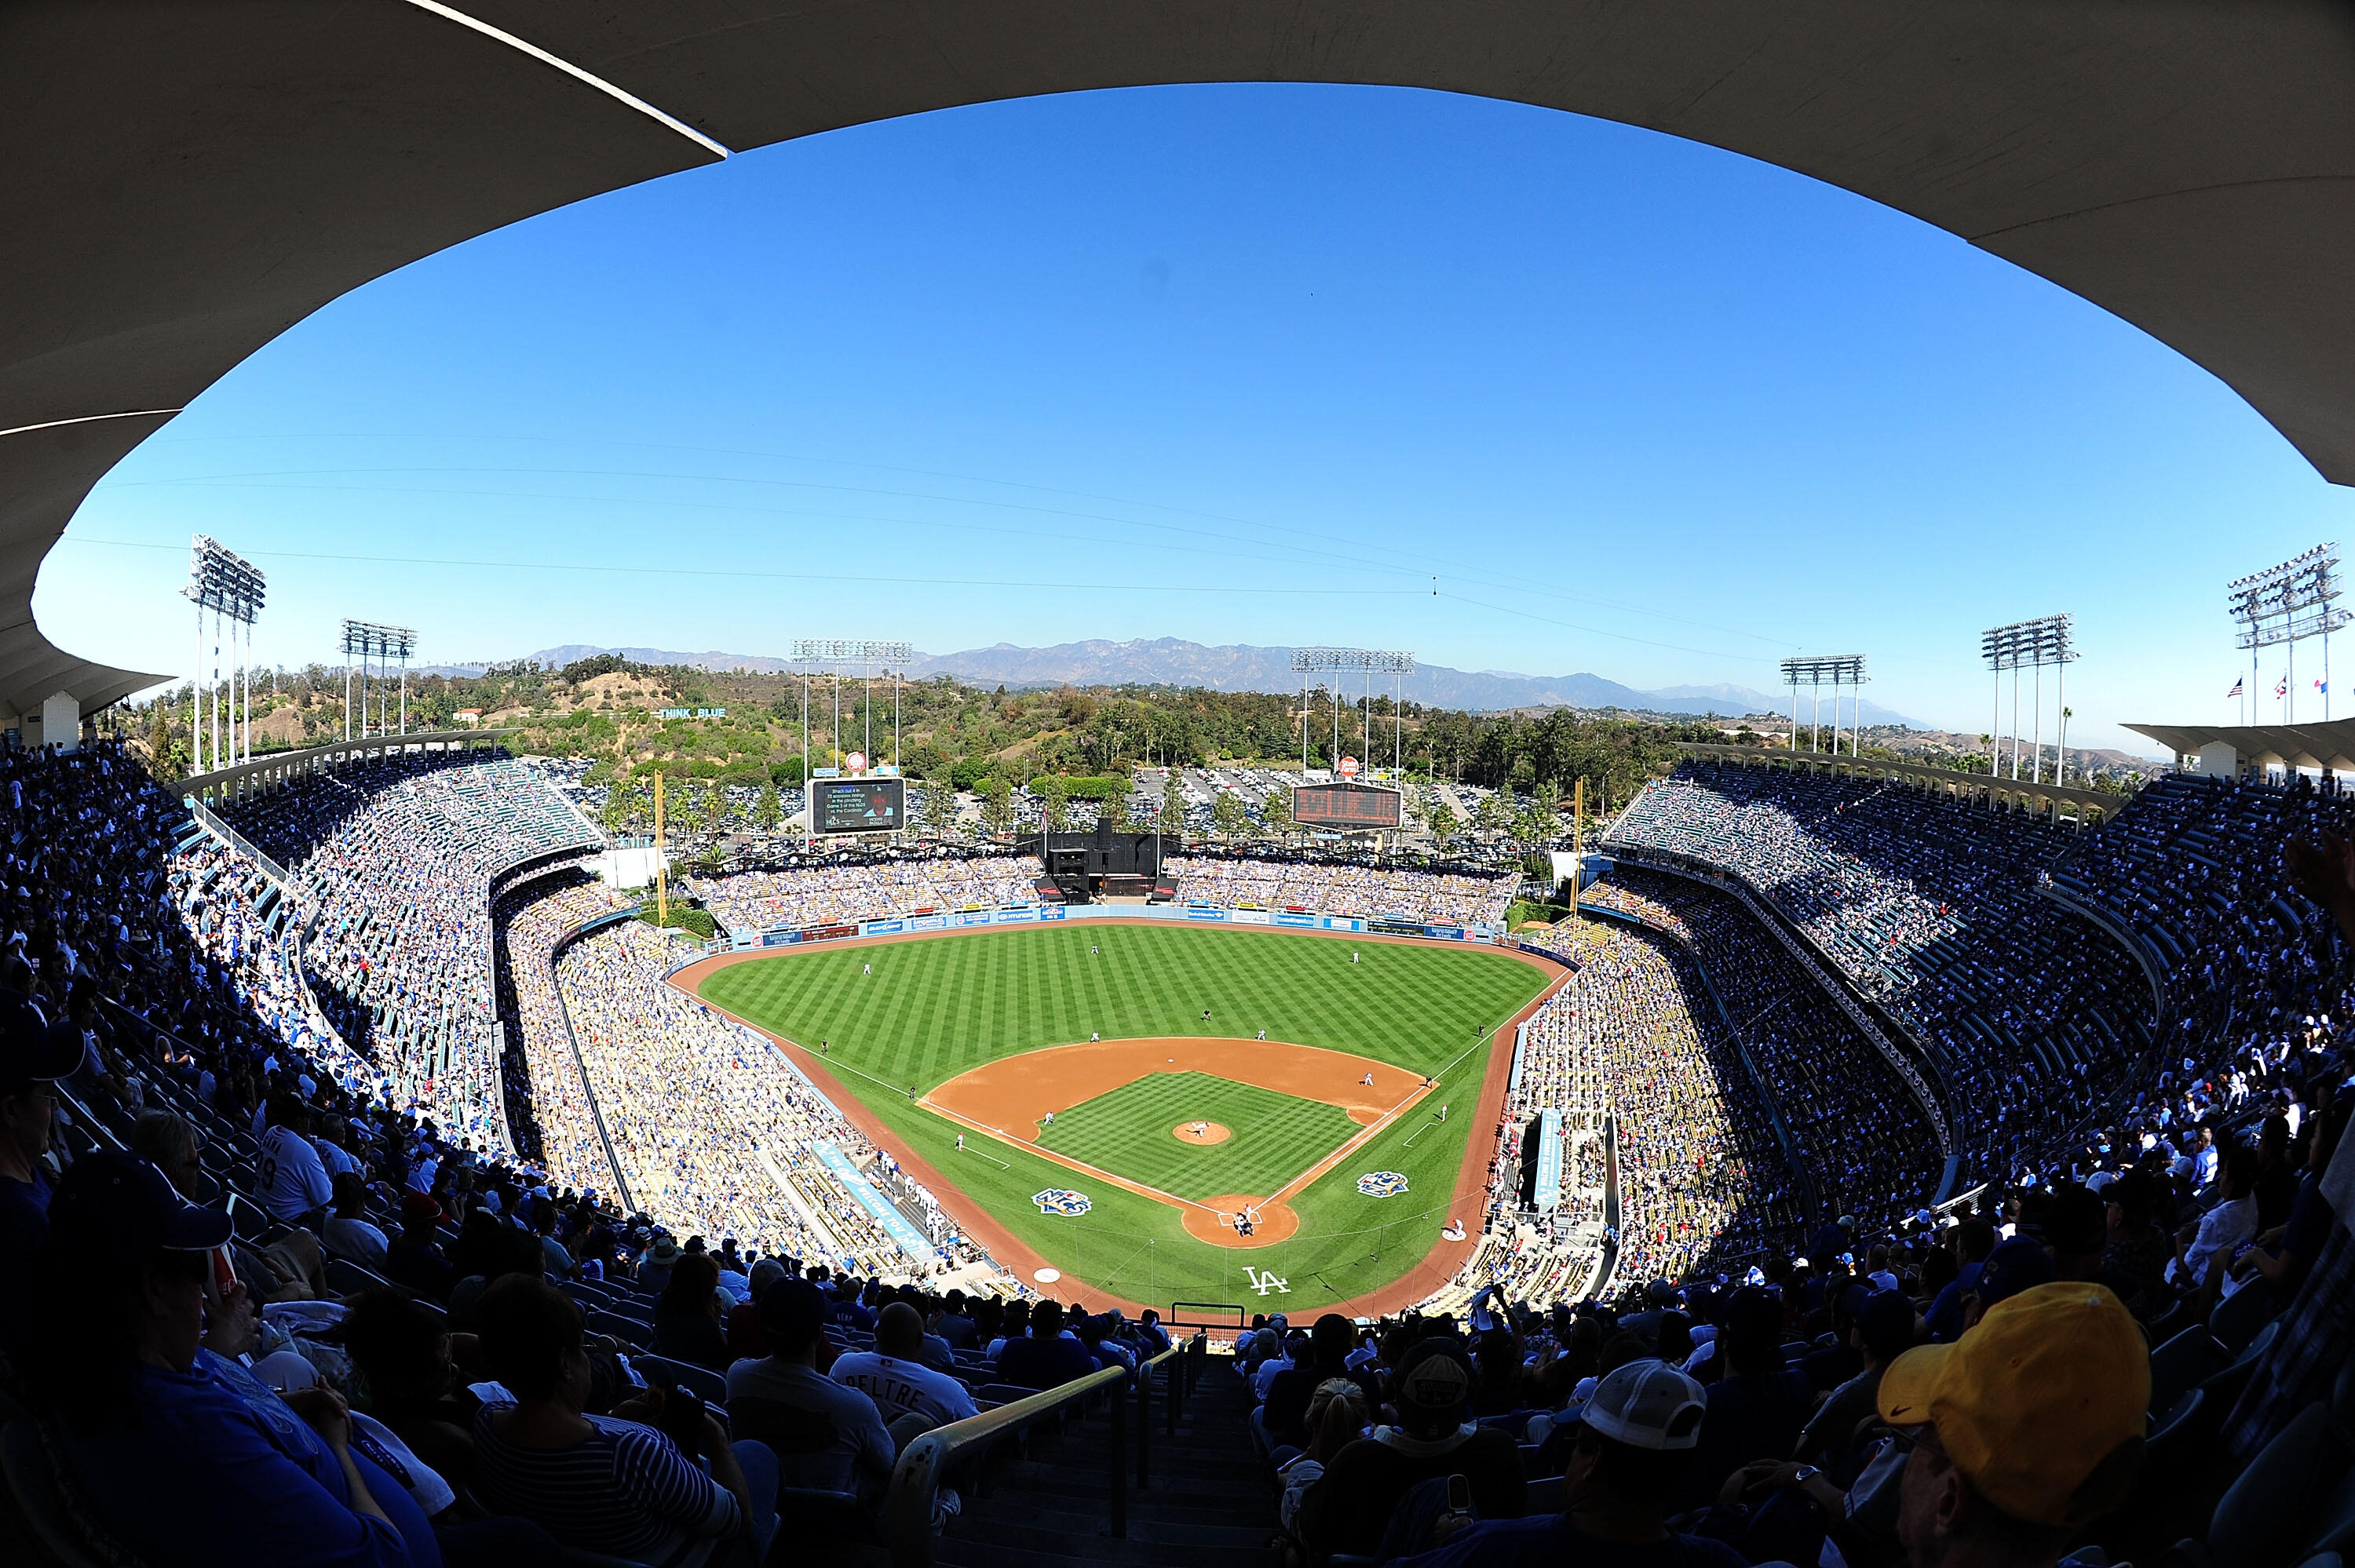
[
  {"x": 2324, "y": 745},
  {"x": 183, "y": 181}
]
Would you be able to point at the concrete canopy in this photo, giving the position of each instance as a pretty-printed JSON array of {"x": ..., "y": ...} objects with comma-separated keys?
[{"x": 182, "y": 180}]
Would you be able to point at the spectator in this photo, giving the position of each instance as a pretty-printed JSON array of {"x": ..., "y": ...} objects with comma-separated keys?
[
  {"x": 2205, "y": 1245},
  {"x": 1047, "y": 1358},
  {"x": 2028, "y": 1429},
  {"x": 688, "y": 1314},
  {"x": 1881, "y": 1326},
  {"x": 1635, "y": 1444},
  {"x": 184, "y": 1454},
  {"x": 1350, "y": 1506},
  {"x": 295, "y": 1185},
  {"x": 32, "y": 1056},
  {"x": 911, "y": 1396},
  {"x": 1284, "y": 1415},
  {"x": 825, "y": 1435},
  {"x": 405, "y": 1354},
  {"x": 347, "y": 1233},
  {"x": 415, "y": 1258},
  {"x": 601, "y": 1483},
  {"x": 1758, "y": 1407}
]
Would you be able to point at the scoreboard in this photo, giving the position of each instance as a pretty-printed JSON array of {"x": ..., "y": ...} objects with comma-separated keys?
[
  {"x": 858, "y": 805},
  {"x": 1357, "y": 808}
]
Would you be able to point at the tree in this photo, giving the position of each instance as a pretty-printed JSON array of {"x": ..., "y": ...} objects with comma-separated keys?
[
  {"x": 1173, "y": 806},
  {"x": 940, "y": 806},
  {"x": 1491, "y": 814},
  {"x": 771, "y": 810},
  {"x": 1227, "y": 815},
  {"x": 1437, "y": 816},
  {"x": 1277, "y": 813},
  {"x": 715, "y": 807},
  {"x": 1054, "y": 802},
  {"x": 997, "y": 806}
]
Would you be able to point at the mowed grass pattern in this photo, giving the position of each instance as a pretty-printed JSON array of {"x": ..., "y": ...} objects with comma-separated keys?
[
  {"x": 1130, "y": 1132},
  {"x": 934, "y": 1008}
]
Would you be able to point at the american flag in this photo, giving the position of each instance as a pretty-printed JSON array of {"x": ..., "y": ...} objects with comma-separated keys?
[{"x": 2235, "y": 691}]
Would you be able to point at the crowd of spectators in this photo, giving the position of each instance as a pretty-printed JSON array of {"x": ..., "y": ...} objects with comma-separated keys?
[
  {"x": 711, "y": 1127},
  {"x": 1856, "y": 1131},
  {"x": 1432, "y": 897},
  {"x": 393, "y": 859},
  {"x": 2031, "y": 1013},
  {"x": 549, "y": 1107},
  {"x": 1635, "y": 1036},
  {"x": 399, "y": 1344},
  {"x": 842, "y": 892}
]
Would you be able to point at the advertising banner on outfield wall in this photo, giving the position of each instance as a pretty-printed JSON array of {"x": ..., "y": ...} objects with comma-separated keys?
[
  {"x": 1051, "y": 911},
  {"x": 1342, "y": 923},
  {"x": 778, "y": 938},
  {"x": 1295, "y": 917},
  {"x": 1252, "y": 918},
  {"x": 974, "y": 917},
  {"x": 1016, "y": 916},
  {"x": 926, "y": 922},
  {"x": 882, "y": 927},
  {"x": 1205, "y": 913}
]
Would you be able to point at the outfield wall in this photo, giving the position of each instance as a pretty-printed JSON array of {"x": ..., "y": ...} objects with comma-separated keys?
[{"x": 1032, "y": 913}]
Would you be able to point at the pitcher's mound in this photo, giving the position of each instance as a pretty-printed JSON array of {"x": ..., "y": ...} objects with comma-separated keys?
[
  {"x": 1200, "y": 1132},
  {"x": 1215, "y": 1221}
]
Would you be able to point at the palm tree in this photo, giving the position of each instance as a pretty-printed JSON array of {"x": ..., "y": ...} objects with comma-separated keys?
[{"x": 2061, "y": 774}]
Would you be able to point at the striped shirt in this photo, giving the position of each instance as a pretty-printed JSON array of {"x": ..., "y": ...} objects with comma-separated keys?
[{"x": 626, "y": 1489}]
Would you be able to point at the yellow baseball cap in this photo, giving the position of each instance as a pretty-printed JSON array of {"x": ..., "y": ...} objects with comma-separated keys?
[{"x": 2039, "y": 1393}]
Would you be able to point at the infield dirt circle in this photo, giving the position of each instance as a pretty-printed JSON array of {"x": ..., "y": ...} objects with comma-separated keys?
[
  {"x": 1011, "y": 1097},
  {"x": 1200, "y": 1132}
]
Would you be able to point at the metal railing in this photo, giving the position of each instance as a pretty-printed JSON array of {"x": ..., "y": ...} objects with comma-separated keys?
[{"x": 915, "y": 1480}]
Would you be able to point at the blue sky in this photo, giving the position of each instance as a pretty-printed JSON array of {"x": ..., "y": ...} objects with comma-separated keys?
[{"x": 1233, "y": 363}]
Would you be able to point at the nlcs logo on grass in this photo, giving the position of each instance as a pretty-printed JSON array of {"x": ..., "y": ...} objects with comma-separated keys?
[
  {"x": 1062, "y": 1200},
  {"x": 1382, "y": 1184}
]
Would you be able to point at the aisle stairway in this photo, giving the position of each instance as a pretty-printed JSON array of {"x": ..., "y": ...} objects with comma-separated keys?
[{"x": 1207, "y": 1504}]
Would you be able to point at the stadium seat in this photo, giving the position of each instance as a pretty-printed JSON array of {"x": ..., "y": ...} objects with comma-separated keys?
[
  {"x": 702, "y": 1382},
  {"x": 33, "y": 1485},
  {"x": 629, "y": 1331},
  {"x": 2238, "y": 1316}
]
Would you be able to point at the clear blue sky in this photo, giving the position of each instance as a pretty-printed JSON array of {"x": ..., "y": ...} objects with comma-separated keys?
[{"x": 1253, "y": 363}]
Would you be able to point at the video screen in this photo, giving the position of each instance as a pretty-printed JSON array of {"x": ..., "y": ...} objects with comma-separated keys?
[
  {"x": 1350, "y": 806},
  {"x": 858, "y": 805}
]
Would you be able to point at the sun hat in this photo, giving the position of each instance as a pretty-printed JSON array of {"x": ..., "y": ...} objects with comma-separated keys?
[{"x": 2033, "y": 1399}]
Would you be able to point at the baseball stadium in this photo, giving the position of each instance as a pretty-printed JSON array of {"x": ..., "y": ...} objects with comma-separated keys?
[{"x": 899, "y": 1097}]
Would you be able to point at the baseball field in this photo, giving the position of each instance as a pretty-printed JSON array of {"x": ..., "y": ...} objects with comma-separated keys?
[{"x": 1163, "y": 1113}]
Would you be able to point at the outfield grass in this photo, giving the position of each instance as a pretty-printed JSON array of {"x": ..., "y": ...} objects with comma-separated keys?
[
  {"x": 932, "y": 1009},
  {"x": 1129, "y": 1133}
]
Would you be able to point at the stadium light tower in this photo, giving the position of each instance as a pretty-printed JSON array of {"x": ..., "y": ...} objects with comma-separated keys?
[
  {"x": 837, "y": 653},
  {"x": 1395, "y": 663},
  {"x": 377, "y": 646},
  {"x": 233, "y": 588},
  {"x": 2030, "y": 645},
  {"x": 2285, "y": 605},
  {"x": 1812, "y": 670}
]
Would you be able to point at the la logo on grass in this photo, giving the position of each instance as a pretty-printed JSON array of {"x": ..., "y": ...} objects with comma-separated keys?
[{"x": 1263, "y": 1282}]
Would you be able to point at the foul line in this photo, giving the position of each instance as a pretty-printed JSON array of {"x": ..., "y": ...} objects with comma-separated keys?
[{"x": 1065, "y": 1161}]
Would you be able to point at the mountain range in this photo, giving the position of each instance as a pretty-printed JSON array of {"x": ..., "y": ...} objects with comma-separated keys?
[{"x": 1239, "y": 667}]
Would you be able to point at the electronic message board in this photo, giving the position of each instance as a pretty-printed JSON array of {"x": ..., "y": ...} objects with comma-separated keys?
[
  {"x": 1351, "y": 807},
  {"x": 858, "y": 805}
]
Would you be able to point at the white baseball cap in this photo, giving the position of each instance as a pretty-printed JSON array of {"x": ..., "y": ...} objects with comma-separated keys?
[{"x": 1648, "y": 1404}]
